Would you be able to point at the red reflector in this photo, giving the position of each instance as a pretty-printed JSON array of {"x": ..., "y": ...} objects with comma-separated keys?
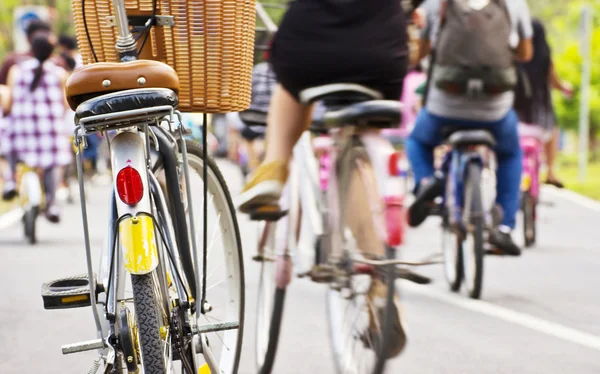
[
  {"x": 394, "y": 164},
  {"x": 129, "y": 186}
]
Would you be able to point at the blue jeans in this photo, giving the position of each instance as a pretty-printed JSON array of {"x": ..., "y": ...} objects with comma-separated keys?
[{"x": 427, "y": 134}]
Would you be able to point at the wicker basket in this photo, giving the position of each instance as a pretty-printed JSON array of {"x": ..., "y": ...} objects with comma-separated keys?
[{"x": 210, "y": 46}]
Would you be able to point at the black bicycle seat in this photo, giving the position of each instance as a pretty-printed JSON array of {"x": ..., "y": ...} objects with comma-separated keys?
[
  {"x": 252, "y": 117},
  {"x": 461, "y": 138},
  {"x": 371, "y": 114},
  {"x": 338, "y": 95},
  {"x": 120, "y": 101}
]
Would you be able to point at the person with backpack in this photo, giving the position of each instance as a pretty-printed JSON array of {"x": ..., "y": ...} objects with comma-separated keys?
[{"x": 475, "y": 46}]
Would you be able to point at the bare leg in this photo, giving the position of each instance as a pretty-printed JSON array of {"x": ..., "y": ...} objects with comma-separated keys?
[
  {"x": 551, "y": 150},
  {"x": 253, "y": 158},
  {"x": 286, "y": 121},
  {"x": 359, "y": 214}
]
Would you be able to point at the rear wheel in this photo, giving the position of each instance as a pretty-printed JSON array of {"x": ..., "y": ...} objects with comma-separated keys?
[
  {"x": 473, "y": 245},
  {"x": 149, "y": 319},
  {"x": 529, "y": 219},
  {"x": 361, "y": 304},
  {"x": 224, "y": 264}
]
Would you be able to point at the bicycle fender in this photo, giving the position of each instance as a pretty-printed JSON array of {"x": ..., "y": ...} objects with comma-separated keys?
[{"x": 138, "y": 242}]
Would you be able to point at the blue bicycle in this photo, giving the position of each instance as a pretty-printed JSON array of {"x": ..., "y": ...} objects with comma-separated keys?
[{"x": 467, "y": 214}]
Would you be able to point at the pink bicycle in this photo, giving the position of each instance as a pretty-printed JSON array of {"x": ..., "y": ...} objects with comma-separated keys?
[
  {"x": 531, "y": 145},
  {"x": 345, "y": 197}
]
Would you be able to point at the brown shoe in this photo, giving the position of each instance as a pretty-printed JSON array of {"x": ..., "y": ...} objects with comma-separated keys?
[
  {"x": 264, "y": 187},
  {"x": 378, "y": 299}
]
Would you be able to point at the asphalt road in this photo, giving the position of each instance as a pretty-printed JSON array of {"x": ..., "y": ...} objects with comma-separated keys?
[{"x": 539, "y": 314}]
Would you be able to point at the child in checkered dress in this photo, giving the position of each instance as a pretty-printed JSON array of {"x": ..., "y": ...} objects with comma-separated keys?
[{"x": 35, "y": 132}]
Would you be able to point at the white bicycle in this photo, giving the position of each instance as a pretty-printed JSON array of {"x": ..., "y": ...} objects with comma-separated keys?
[{"x": 169, "y": 294}]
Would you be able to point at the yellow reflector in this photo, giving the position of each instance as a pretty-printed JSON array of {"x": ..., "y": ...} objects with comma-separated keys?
[
  {"x": 525, "y": 182},
  {"x": 72, "y": 299},
  {"x": 204, "y": 369}
]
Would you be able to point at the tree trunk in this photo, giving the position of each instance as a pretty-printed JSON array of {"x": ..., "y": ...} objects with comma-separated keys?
[{"x": 593, "y": 149}]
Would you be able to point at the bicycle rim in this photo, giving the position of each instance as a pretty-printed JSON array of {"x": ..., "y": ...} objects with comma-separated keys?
[
  {"x": 271, "y": 300},
  {"x": 453, "y": 259},
  {"x": 472, "y": 247},
  {"x": 361, "y": 333},
  {"x": 225, "y": 274},
  {"x": 529, "y": 229}
]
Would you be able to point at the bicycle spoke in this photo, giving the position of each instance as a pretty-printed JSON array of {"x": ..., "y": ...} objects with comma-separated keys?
[
  {"x": 219, "y": 336},
  {"x": 212, "y": 236},
  {"x": 213, "y": 272},
  {"x": 215, "y": 319},
  {"x": 215, "y": 285}
]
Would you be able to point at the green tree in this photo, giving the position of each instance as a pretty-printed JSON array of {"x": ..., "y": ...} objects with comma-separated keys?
[
  {"x": 563, "y": 27},
  {"x": 62, "y": 19}
]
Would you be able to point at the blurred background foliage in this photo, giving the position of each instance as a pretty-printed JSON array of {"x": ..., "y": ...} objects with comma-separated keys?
[
  {"x": 561, "y": 17},
  {"x": 563, "y": 24}
]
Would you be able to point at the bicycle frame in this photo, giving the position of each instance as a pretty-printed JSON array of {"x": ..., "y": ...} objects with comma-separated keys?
[
  {"x": 530, "y": 180},
  {"x": 454, "y": 166},
  {"x": 30, "y": 187},
  {"x": 133, "y": 228},
  {"x": 312, "y": 190}
]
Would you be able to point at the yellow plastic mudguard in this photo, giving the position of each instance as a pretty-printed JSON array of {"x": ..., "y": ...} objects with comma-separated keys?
[
  {"x": 525, "y": 182},
  {"x": 140, "y": 255}
]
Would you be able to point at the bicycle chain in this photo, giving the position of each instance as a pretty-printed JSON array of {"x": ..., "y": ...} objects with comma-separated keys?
[
  {"x": 177, "y": 338},
  {"x": 176, "y": 332}
]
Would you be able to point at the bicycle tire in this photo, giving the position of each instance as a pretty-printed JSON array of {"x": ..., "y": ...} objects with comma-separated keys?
[
  {"x": 453, "y": 258},
  {"x": 380, "y": 346},
  {"x": 219, "y": 186},
  {"x": 148, "y": 323},
  {"x": 270, "y": 305},
  {"x": 451, "y": 244},
  {"x": 529, "y": 220},
  {"x": 473, "y": 245},
  {"x": 30, "y": 224}
]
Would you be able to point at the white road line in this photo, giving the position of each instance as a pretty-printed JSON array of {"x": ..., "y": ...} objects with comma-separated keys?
[
  {"x": 572, "y": 197},
  {"x": 10, "y": 218},
  {"x": 522, "y": 319}
]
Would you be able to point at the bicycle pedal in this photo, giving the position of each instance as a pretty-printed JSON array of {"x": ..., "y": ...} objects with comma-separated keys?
[
  {"x": 269, "y": 213},
  {"x": 321, "y": 274},
  {"x": 67, "y": 293},
  {"x": 411, "y": 276},
  {"x": 263, "y": 258},
  {"x": 494, "y": 252}
]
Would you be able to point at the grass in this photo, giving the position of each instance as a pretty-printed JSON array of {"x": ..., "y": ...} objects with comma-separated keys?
[{"x": 569, "y": 174}]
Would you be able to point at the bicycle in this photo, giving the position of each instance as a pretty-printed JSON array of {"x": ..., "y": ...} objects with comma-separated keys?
[
  {"x": 531, "y": 145},
  {"x": 182, "y": 305},
  {"x": 466, "y": 213},
  {"x": 348, "y": 167}
]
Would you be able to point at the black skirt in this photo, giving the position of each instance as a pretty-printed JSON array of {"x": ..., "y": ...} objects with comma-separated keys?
[{"x": 342, "y": 41}]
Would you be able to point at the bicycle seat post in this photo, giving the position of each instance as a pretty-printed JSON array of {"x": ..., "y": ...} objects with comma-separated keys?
[{"x": 126, "y": 44}]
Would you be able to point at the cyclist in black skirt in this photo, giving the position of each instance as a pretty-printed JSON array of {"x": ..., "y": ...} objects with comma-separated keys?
[{"x": 322, "y": 42}]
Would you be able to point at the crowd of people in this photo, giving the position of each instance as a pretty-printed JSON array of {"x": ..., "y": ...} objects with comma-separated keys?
[
  {"x": 367, "y": 43},
  {"x": 319, "y": 43},
  {"x": 36, "y": 123},
  {"x": 354, "y": 58}
]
